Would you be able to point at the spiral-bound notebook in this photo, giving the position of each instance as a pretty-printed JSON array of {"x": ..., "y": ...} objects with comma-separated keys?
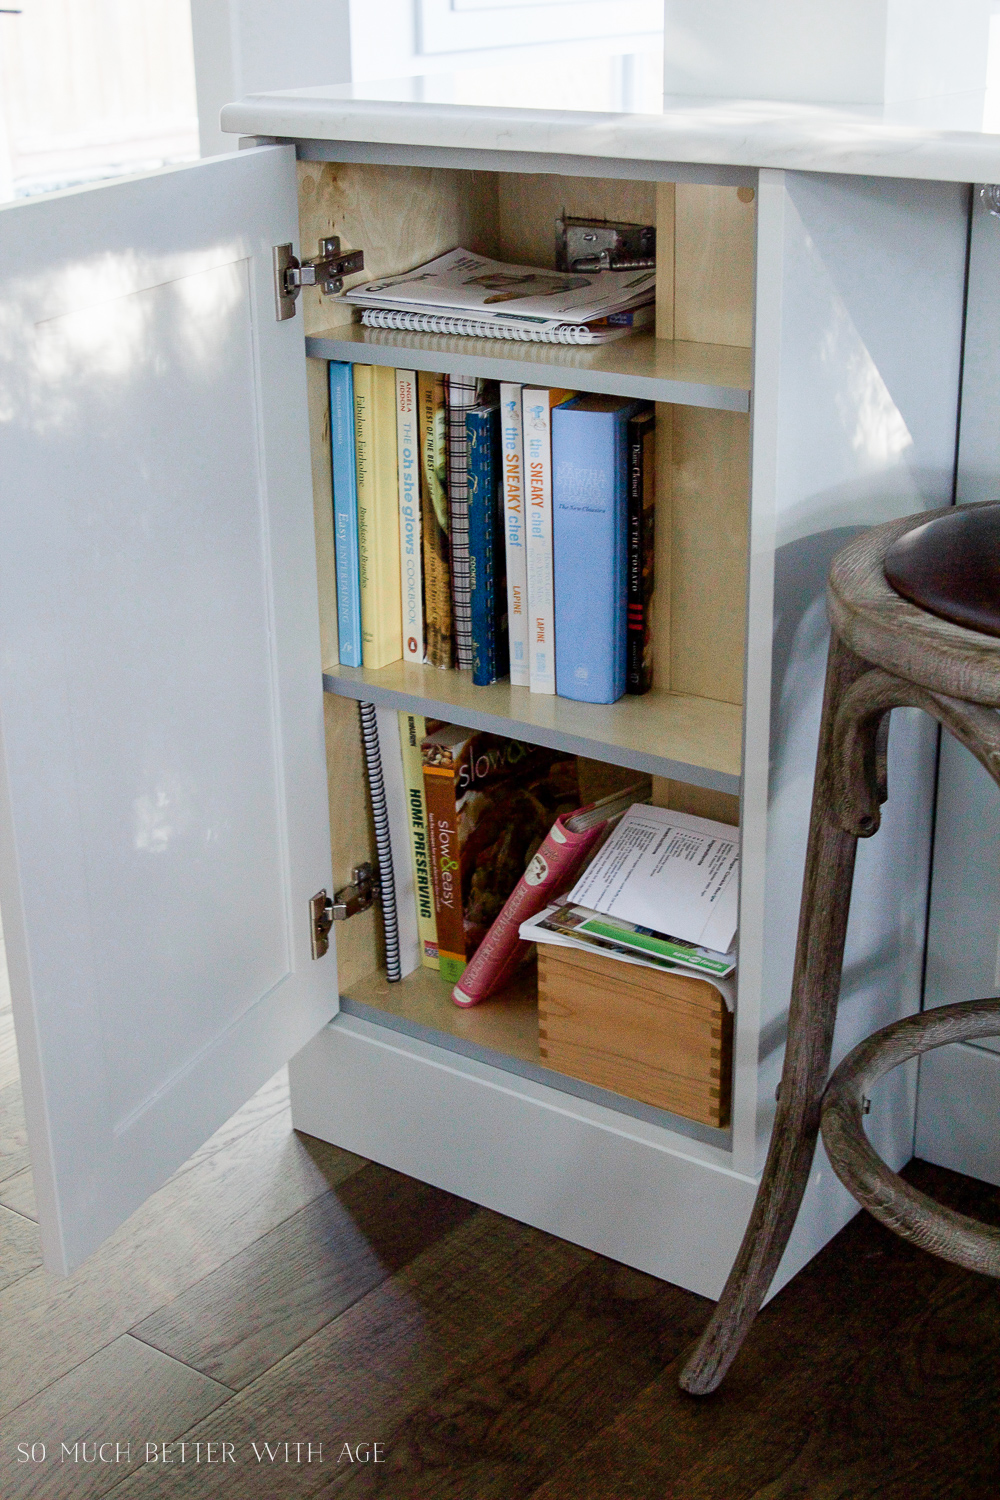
[
  {"x": 387, "y": 789},
  {"x": 468, "y": 294},
  {"x": 567, "y": 333}
]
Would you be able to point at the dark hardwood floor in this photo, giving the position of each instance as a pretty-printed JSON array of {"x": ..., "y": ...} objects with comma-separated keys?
[{"x": 278, "y": 1292}]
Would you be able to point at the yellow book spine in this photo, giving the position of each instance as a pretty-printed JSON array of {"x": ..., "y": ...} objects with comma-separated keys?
[
  {"x": 378, "y": 514},
  {"x": 412, "y": 728}
]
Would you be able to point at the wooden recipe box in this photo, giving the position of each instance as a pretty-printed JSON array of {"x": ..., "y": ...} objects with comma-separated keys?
[{"x": 665, "y": 1039}]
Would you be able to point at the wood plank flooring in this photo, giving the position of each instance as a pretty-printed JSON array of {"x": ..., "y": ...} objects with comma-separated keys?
[
  {"x": 13, "y": 1136},
  {"x": 140, "y": 1390},
  {"x": 238, "y": 1322},
  {"x": 278, "y": 1292}
]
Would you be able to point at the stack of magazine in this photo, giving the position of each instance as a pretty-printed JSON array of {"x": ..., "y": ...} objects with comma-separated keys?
[
  {"x": 662, "y": 893},
  {"x": 465, "y": 293}
]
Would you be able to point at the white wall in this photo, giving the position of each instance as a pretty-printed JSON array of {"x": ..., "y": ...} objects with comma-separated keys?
[
  {"x": 248, "y": 46},
  {"x": 866, "y": 52}
]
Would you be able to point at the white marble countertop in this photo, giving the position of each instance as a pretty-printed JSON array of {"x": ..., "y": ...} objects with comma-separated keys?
[{"x": 623, "y": 116}]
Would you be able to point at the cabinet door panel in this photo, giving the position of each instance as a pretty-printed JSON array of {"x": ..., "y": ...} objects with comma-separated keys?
[{"x": 165, "y": 809}]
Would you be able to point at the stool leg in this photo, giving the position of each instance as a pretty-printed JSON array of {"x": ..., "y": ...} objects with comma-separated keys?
[{"x": 826, "y": 899}]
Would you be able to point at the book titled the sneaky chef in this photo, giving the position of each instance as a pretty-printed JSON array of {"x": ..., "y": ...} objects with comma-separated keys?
[{"x": 490, "y": 802}]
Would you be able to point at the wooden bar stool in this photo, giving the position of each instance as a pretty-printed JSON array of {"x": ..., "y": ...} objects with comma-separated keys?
[{"x": 915, "y": 612}]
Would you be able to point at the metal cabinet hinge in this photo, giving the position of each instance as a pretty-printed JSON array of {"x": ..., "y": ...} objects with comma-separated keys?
[
  {"x": 589, "y": 245},
  {"x": 351, "y": 899},
  {"x": 327, "y": 270},
  {"x": 347, "y": 902},
  {"x": 320, "y": 922}
]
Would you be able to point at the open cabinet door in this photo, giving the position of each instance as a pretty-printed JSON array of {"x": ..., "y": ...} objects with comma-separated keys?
[{"x": 163, "y": 805}]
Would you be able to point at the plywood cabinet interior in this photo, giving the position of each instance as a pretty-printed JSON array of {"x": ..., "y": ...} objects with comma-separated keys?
[{"x": 403, "y": 216}]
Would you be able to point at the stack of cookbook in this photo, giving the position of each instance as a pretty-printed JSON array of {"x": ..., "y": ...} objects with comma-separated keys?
[
  {"x": 499, "y": 527},
  {"x": 465, "y": 293}
]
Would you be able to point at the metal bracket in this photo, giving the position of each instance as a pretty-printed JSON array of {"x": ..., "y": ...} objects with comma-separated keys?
[
  {"x": 351, "y": 899},
  {"x": 327, "y": 270},
  {"x": 320, "y": 922},
  {"x": 589, "y": 245}
]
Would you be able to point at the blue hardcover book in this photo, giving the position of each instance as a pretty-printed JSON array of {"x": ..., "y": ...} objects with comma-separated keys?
[
  {"x": 345, "y": 513},
  {"x": 487, "y": 551},
  {"x": 589, "y": 545}
]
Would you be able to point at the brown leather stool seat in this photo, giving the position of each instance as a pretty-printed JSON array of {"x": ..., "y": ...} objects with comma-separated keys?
[{"x": 951, "y": 566}]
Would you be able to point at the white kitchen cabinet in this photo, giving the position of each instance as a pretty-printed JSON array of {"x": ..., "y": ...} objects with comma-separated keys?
[
  {"x": 959, "y": 1088},
  {"x": 163, "y": 685}
]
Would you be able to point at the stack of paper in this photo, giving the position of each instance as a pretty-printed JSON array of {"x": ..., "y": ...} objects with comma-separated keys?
[
  {"x": 662, "y": 892},
  {"x": 495, "y": 299}
]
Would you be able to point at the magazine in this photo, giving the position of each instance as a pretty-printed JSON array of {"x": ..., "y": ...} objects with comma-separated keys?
[
  {"x": 579, "y": 922},
  {"x": 554, "y": 926},
  {"x": 463, "y": 284}
]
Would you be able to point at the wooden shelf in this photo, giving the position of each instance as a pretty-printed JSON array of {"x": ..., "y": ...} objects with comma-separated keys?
[
  {"x": 502, "y": 1032},
  {"x": 506, "y": 1025},
  {"x": 697, "y": 740},
  {"x": 717, "y": 376}
]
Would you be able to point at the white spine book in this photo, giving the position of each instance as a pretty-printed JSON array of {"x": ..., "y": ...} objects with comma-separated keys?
[
  {"x": 537, "y": 428},
  {"x": 512, "y": 444},
  {"x": 411, "y": 570}
]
